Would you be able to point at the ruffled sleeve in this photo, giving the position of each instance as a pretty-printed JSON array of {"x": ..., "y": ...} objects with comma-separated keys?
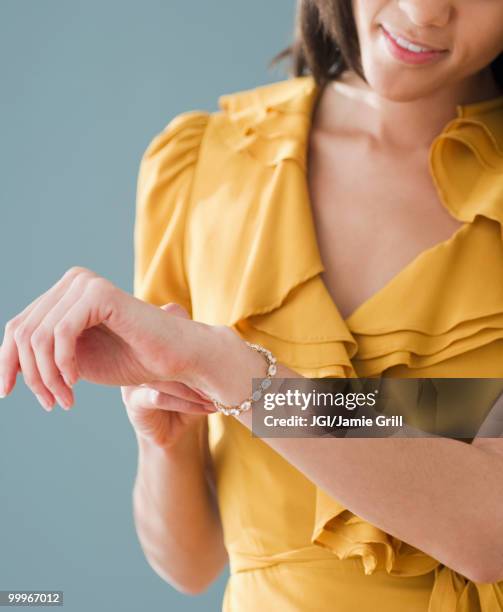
[{"x": 164, "y": 189}]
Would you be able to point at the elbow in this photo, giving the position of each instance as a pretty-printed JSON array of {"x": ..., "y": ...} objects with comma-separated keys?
[
  {"x": 193, "y": 583},
  {"x": 193, "y": 586},
  {"x": 190, "y": 587},
  {"x": 189, "y": 580}
]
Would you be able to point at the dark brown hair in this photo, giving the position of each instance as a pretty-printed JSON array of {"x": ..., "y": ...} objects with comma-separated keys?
[{"x": 326, "y": 43}]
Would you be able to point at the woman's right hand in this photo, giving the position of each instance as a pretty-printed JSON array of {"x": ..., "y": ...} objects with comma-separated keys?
[
  {"x": 164, "y": 412},
  {"x": 162, "y": 415}
]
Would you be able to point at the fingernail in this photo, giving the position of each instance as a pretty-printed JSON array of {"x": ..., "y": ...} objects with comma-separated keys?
[
  {"x": 45, "y": 404},
  {"x": 67, "y": 382},
  {"x": 2, "y": 387},
  {"x": 64, "y": 403},
  {"x": 153, "y": 396}
]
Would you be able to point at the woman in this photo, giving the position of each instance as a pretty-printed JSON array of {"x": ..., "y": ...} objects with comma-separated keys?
[{"x": 348, "y": 219}]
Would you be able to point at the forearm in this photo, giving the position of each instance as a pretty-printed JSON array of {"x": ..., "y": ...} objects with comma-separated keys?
[
  {"x": 442, "y": 496},
  {"x": 176, "y": 514}
]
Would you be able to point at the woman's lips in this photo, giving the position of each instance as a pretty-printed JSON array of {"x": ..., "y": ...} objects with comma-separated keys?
[
  {"x": 395, "y": 34},
  {"x": 406, "y": 55}
]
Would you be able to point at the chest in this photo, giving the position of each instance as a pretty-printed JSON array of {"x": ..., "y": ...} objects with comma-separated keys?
[{"x": 373, "y": 215}]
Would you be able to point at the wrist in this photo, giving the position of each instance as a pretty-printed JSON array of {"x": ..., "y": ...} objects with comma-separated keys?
[{"x": 228, "y": 366}]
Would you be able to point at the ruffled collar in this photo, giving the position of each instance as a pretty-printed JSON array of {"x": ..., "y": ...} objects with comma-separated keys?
[
  {"x": 263, "y": 275},
  {"x": 272, "y": 123}
]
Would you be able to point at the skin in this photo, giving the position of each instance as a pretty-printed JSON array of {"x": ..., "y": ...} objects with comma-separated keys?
[
  {"x": 427, "y": 492},
  {"x": 388, "y": 124},
  {"x": 407, "y": 105}
]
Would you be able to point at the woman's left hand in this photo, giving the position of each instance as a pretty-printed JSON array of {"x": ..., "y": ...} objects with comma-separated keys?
[{"x": 85, "y": 327}]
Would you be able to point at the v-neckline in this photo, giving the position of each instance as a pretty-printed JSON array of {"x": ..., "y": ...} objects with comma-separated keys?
[{"x": 462, "y": 110}]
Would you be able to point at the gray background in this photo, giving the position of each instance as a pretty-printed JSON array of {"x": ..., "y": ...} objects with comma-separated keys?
[{"x": 84, "y": 87}]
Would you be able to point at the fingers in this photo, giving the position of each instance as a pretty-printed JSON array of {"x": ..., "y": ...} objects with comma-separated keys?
[
  {"x": 69, "y": 319},
  {"x": 177, "y": 404},
  {"x": 56, "y": 337},
  {"x": 56, "y": 365},
  {"x": 19, "y": 330},
  {"x": 35, "y": 340},
  {"x": 141, "y": 397},
  {"x": 180, "y": 390}
]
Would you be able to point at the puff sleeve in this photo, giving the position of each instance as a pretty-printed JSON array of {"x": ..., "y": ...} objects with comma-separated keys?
[{"x": 163, "y": 193}]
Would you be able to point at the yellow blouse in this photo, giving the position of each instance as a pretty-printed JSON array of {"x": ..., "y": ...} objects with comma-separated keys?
[{"x": 224, "y": 227}]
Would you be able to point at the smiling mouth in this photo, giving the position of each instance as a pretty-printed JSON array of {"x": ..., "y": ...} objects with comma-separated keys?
[{"x": 410, "y": 45}]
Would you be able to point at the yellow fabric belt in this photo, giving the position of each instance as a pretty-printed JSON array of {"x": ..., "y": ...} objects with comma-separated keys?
[
  {"x": 451, "y": 592},
  {"x": 242, "y": 562}
]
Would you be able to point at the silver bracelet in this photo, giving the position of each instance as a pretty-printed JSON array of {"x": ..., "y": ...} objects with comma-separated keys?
[{"x": 256, "y": 395}]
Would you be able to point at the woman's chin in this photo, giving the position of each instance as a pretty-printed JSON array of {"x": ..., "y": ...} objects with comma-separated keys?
[{"x": 392, "y": 84}]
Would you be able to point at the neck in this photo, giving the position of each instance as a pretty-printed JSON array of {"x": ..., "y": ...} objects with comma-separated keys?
[{"x": 351, "y": 104}]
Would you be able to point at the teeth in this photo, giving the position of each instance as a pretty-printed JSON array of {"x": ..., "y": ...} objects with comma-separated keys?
[
  {"x": 402, "y": 42},
  {"x": 410, "y": 46}
]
